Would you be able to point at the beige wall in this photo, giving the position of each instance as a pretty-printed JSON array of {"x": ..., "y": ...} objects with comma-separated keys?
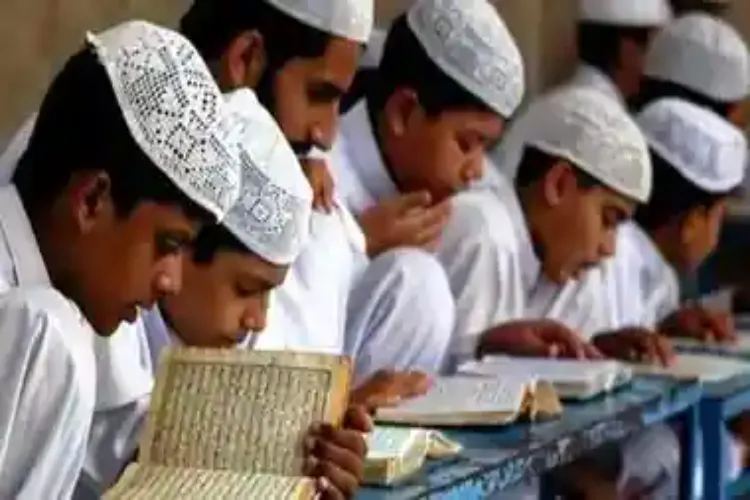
[{"x": 35, "y": 36}]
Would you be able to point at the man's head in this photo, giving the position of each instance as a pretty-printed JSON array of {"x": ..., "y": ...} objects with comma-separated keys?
[
  {"x": 450, "y": 76},
  {"x": 699, "y": 160},
  {"x": 702, "y": 59},
  {"x": 613, "y": 37},
  {"x": 128, "y": 156},
  {"x": 300, "y": 57},
  {"x": 236, "y": 264},
  {"x": 584, "y": 168}
]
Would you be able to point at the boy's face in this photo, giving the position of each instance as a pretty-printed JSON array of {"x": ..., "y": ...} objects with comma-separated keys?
[
  {"x": 224, "y": 300},
  {"x": 699, "y": 234},
  {"x": 119, "y": 264},
  {"x": 579, "y": 230},
  {"x": 442, "y": 154}
]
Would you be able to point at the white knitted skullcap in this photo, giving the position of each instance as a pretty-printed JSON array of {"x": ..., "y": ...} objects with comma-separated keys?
[
  {"x": 704, "y": 54},
  {"x": 631, "y": 13},
  {"x": 468, "y": 40},
  {"x": 594, "y": 133},
  {"x": 351, "y": 19},
  {"x": 272, "y": 215},
  {"x": 703, "y": 147},
  {"x": 173, "y": 109}
]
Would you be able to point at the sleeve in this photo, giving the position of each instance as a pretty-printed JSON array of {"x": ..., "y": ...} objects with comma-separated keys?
[
  {"x": 47, "y": 394},
  {"x": 483, "y": 272}
]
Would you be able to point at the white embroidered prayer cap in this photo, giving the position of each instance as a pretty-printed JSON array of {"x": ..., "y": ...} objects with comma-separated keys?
[
  {"x": 594, "y": 133},
  {"x": 704, "y": 148},
  {"x": 173, "y": 109},
  {"x": 272, "y": 215},
  {"x": 351, "y": 19},
  {"x": 468, "y": 40},
  {"x": 632, "y": 13},
  {"x": 704, "y": 54}
]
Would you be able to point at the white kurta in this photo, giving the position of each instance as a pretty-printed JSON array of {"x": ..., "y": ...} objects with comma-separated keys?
[
  {"x": 47, "y": 369},
  {"x": 400, "y": 312}
]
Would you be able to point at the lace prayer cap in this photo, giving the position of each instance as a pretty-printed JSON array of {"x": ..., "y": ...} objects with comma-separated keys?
[
  {"x": 704, "y": 54},
  {"x": 704, "y": 148},
  {"x": 631, "y": 13},
  {"x": 351, "y": 19},
  {"x": 594, "y": 133},
  {"x": 173, "y": 109},
  {"x": 272, "y": 215},
  {"x": 468, "y": 40}
]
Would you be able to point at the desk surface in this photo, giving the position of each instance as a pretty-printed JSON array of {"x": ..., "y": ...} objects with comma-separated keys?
[{"x": 494, "y": 459}]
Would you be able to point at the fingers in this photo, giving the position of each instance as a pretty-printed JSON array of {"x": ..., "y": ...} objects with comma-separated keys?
[
  {"x": 328, "y": 188},
  {"x": 427, "y": 225},
  {"x": 409, "y": 201},
  {"x": 326, "y": 437},
  {"x": 717, "y": 326},
  {"x": 357, "y": 418},
  {"x": 591, "y": 352},
  {"x": 663, "y": 350},
  {"x": 336, "y": 457},
  {"x": 569, "y": 343},
  {"x": 389, "y": 388}
]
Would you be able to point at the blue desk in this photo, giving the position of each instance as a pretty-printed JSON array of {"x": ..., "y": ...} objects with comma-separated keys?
[{"x": 494, "y": 459}]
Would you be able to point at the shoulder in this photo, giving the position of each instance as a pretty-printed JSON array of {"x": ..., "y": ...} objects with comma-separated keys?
[{"x": 480, "y": 216}]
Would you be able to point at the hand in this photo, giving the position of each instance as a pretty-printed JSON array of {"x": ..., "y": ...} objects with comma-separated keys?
[
  {"x": 699, "y": 323},
  {"x": 336, "y": 457},
  {"x": 535, "y": 338},
  {"x": 636, "y": 345},
  {"x": 387, "y": 388},
  {"x": 408, "y": 220},
  {"x": 321, "y": 182}
]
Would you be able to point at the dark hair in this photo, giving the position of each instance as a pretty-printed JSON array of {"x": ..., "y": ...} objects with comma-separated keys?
[
  {"x": 599, "y": 43},
  {"x": 672, "y": 196},
  {"x": 80, "y": 127},
  {"x": 212, "y": 239},
  {"x": 682, "y": 7},
  {"x": 211, "y": 25},
  {"x": 363, "y": 79},
  {"x": 405, "y": 64},
  {"x": 653, "y": 89},
  {"x": 535, "y": 164}
]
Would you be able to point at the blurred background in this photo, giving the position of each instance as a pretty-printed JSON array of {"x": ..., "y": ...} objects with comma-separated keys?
[{"x": 36, "y": 35}]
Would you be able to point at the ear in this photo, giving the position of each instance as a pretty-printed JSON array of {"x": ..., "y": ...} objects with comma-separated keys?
[
  {"x": 736, "y": 115},
  {"x": 401, "y": 108},
  {"x": 244, "y": 61},
  {"x": 91, "y": 199},
  {"x": 558, "y": 183},
  {"x": 691, "y": 223}
]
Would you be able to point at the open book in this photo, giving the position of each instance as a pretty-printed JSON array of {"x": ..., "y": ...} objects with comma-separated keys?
[
  {"x": 739, "y": 348},
  {"x": 572, "y": 379},
  {"x": 229, "y": 424},
  {"x": 475, "y": 401},
  {"x": 701, "y": 367},
  {"x": 395, "y": 453}
]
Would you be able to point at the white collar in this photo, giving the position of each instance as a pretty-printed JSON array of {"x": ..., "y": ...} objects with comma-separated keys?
[
  {"x": 160, "y": 336},
  {"x": 362, "y": 147},
  {"x": 590, "y": 76},
  {"x": 20, "y": 241}
]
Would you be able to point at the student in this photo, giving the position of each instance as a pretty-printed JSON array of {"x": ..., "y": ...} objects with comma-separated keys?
[
  {"x": 421, "y": 134},
  {"x": 612, "y": 38},
  {"x": 112, "y": 175}
]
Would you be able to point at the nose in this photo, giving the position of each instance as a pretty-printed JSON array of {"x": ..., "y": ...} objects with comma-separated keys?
[
  {"x": 255, "y": 316},
  {"x": 324, "y": 131},
  {"x": 474, "y": 168},
  {"x": 169, "y": 276},
  {"x": 609, "y": 245}
]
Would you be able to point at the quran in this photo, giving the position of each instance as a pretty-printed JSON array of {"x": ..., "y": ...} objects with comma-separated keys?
[
  {"x": 571, "y": 379},
  {"x": 741, "y": 347},
  {"x": 229, "y": 423},
  {"x": 701, "y": 367},
  {"x": 475, "y": 401},
  {"x": 395, "y": 453}
]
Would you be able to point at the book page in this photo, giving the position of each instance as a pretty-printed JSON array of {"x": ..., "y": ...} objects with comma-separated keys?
[
  {"x": 551, "y": 370},
  {"x": 701, "y": 367},
  {"x": 741, "y": 346},
  {"x": 167, "y": 483},
  {"x": 241, "y": 410},
  {"x": 460, "y": 400}
]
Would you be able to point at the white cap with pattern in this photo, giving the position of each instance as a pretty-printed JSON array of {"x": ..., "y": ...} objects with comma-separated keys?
[
  {"x": 468, "y": 40},
  {"x": 351, "y": 19},
  {"x": 173, "y": 109},
  {"x": 595, "y": 134},
  {"x": 272, "y": 215},
  {"x": 704, "y": 54},
  {"x": 631, "y": 13},
  {"x": 704, "y": 148}
]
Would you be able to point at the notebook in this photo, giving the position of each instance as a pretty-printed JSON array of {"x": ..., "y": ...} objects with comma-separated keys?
[
  {"x": 229, "y": 424},
  {"x": 396, "y": 453},
  {"x": 571, "y": 379},
  {"x": 475, "y": 401},
  {"x": 701, "y": 367}
]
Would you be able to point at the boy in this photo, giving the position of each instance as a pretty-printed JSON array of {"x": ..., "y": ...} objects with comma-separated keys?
[
  {"x": 112, "y": 174},
  {"x": 420, "y": 134}
]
